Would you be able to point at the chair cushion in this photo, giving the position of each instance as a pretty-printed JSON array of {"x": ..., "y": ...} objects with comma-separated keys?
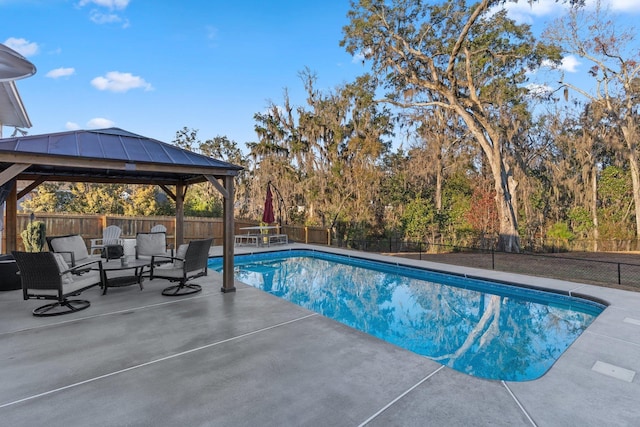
[
  {"x": 181, "y": 253},
  {"x": 169, "y": 270},
  {"x": 151, "y": 244},
  {"x": 63, "y": 266},
  {"x": 73, "y": 244},
  {"x": 89, "y": 279}
]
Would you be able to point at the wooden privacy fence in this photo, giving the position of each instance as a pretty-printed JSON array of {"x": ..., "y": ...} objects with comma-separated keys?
[{"x": 90, "y": 227}]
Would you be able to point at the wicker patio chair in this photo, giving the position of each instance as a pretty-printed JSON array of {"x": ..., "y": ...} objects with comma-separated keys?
[
  {"x": 190, "y": 262},
  {"x": 45, "y": 275},
  {"x": 72, "y": 247}
]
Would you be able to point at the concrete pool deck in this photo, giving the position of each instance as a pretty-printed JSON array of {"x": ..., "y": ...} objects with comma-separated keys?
[{"x": 248, "y": 358}]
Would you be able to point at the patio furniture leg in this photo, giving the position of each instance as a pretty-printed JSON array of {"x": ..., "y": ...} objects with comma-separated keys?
[
  {"x": 179, "y": 290},
  {"x": 70, "y": 305}
]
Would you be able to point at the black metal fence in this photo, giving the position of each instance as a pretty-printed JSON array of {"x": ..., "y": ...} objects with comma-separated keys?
[{"x": 599, "y": 268}]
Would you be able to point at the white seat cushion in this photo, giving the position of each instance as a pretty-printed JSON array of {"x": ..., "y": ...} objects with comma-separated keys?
[
  {"x": 169, "y": 270},
  {"x": 151, "y": 244},
  {"x": 73, "y": 244},
  {"x": 79, "y": 282}
]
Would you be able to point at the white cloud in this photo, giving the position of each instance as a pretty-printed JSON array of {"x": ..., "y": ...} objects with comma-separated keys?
[
  {"x": 99, "y": 123},
  {"x": 111, "y": 4},
  {"x": 524, "y": 12},
  {"x": 116, "y": 81},
  {"x": 108, "y": 18},
  {"x": 72, "y": 126},
  {"x": 60, "y": 72},
  {"x": 104, "y": 18},
  {"x": 617, "y": 5},
  {"x": 539, "y": 90},
  {"x": 98, "y": 17},
  {"x": 22, "y": 46},
  {"x": 360, "y": 57},
  {"x": 569, "y": 64}
]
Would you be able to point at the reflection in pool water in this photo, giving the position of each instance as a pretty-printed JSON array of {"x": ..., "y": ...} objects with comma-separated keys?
[{"x": 480, "y": 328}]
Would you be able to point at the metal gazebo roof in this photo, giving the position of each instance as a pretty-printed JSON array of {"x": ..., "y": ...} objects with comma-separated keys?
[{"x": 108, "y": 155}]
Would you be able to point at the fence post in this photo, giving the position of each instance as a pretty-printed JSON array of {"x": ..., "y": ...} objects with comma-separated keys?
[
  {"x": 306, "y": 234},
  {"x": 619, "y": 281},
  {"x": 328, "y": 237},
  {"x": 493, "y": 259}
]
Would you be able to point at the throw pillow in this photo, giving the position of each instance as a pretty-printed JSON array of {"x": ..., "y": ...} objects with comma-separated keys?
[
  {"x": 67, "y": 278},
  {"x": 181, "y": 253}
]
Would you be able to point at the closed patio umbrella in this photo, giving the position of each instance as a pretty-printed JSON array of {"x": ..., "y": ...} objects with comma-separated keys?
[{"x": 267, "y": 215}]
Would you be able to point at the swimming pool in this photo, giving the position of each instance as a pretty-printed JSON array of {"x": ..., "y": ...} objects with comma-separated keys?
[{"x": 485, "y": 329}]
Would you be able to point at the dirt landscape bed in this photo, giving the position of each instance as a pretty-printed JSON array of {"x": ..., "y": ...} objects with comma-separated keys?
[{"x": 611, "y": 269}]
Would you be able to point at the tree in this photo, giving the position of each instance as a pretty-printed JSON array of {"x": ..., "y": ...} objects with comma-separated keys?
[
  {"x": 418, "y": 219},
  {"x": 482, "y": 213},
  {"x": 97, "y": 198},
  {"x": 48, "y": 197},
  {"x": 325, "y": 156},
  {"x": 616, "y": 197},
  {"x": 457, "y": 58},
  {"x": 616, "y": 70},
  {"x": 146, "y": 200},
  {"x": 202, "y": 199}
]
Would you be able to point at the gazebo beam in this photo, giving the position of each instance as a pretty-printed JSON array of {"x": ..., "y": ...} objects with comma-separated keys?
[
  {"x": 30, "y": 187},
  {"x": 11, "y": 172}
]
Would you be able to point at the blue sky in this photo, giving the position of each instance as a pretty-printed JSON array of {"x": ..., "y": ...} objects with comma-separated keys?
[{"x": 153, "y": 67}]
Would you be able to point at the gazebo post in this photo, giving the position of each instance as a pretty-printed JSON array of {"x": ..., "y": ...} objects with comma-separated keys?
[
  {"x": 228, "y": 281},
  {"x": 179, "y": 234},
  {"x": 11, "y": 224},
  {"x": 226, "y": 189}
]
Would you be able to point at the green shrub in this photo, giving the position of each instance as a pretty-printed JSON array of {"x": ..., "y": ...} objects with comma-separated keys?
[{"x": 34, "y": 236}]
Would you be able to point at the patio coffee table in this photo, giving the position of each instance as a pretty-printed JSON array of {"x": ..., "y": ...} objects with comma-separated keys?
[{"x": 115, "y": 265}]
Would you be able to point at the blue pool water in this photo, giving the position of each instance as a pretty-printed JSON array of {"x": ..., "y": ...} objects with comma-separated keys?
[{"x": 485, "y": 329}]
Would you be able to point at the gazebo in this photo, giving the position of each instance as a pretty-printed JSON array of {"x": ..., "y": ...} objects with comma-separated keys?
[{"x": 113, "y": 156}]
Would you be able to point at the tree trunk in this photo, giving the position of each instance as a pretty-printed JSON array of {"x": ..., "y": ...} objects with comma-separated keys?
[
  {"x": 594, "y": 207},
  {"x": 508, "y": 239},
  {"x": 438, "y": 195},
  {"x": 504, "y": 184}
]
